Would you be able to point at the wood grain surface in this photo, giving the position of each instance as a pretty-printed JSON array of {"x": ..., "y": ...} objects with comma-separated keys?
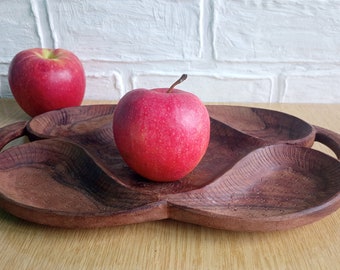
[{"x": 171, "y": 244}]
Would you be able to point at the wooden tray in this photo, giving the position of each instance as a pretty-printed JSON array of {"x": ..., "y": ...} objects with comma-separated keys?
[{"x": 258, "y": 174}]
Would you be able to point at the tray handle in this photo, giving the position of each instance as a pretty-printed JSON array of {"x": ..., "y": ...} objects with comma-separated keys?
[
  {"x": 328, "y": 138},
  {"x": 11, "y": 132}
]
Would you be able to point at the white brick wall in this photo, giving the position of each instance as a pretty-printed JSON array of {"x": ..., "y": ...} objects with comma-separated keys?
[{"x": 233, "y": 51}]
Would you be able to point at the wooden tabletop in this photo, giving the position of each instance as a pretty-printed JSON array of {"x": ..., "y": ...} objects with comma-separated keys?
[{"x": 169, "y": 244}]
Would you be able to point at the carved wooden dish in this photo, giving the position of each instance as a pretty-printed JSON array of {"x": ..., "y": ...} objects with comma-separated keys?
[{"x": 258, "y": 174}]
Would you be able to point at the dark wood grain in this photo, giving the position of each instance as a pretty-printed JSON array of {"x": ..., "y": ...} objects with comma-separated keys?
[
  {"x": 273, "y": 188},
  {"x": 11, "y": 132},
  {"x": 268, "y": 125},
  {"x": 226, "y": 147},
  {"x": 258, "y": 174}
]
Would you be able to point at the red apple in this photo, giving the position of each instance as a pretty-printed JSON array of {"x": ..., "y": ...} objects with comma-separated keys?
[
  {"x": 42, "y": 80},
  {"x": 162, "y": 133}
]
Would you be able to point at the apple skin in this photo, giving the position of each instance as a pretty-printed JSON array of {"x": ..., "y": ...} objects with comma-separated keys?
[
  {"x": 161, "y": 136},
  {"x": 42, "y": 80}
]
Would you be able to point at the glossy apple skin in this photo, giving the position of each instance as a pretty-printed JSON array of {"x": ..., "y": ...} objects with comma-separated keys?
[
  {"x": 42, "y": 80},
  {"x": 161, "y": 136}
]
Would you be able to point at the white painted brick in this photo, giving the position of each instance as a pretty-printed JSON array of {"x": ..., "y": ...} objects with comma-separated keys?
[
  {"x": 128, "y": 30},
  {"x": 4, "y": 69},
  {"x": 233, "y": 51},
  {"x": 269, "y": 30},
  {"x": 17, "y": 28},
  {"x": 312, "y": 88},
  {"x": 103, "y": 87},
  {"x": 4, "y": 87},
  {"x": 212, "y": 88}
]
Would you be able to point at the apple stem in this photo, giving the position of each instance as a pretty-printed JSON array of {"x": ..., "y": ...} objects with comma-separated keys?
[{"x": 181, "y": 79}]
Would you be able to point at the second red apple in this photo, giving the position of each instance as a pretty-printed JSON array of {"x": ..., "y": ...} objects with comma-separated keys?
[{"x": 42, "y": 80}]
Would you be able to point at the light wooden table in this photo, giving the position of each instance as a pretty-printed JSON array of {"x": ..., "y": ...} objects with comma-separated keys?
[{"x": 169, "y": 244}]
